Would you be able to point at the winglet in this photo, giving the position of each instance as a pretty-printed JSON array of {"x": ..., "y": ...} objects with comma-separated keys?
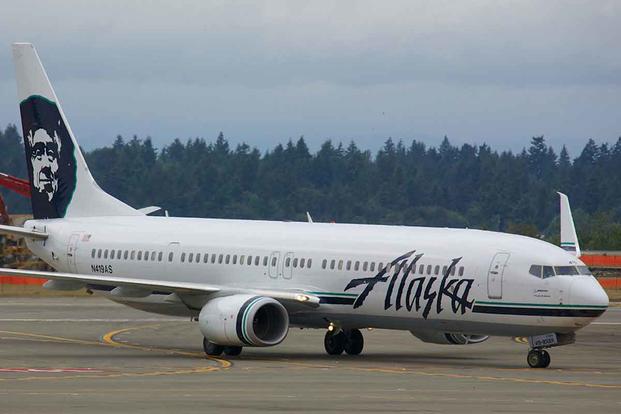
[
  {"x": 308, "y": 217},
  {"x": 569, "y": 239}
]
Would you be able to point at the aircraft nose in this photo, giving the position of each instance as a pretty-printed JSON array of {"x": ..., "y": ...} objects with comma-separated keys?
[{"x": 586, "y": 291}]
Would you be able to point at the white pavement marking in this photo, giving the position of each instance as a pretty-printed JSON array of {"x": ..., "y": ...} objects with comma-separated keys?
[{"x": 605, "y": 323}]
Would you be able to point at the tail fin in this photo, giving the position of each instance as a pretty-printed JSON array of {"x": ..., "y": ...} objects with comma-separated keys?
[
  {"x": 60, "y": 182},
  {"x": 569, "y": 238}
]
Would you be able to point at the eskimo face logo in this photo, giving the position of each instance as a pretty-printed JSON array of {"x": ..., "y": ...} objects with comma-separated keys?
[
  {"x": 50, "y": 157},
  {"x": 44, "y": 154}
]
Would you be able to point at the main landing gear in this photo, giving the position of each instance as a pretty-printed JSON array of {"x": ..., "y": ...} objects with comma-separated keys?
[
  {"x": 350, "y": 341},
  {"x": 538, "y": 358},
  {"x": 212, "y": 349}
]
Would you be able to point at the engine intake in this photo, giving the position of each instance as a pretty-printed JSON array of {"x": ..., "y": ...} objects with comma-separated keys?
[
  {"x": 434, "y": 337},
  {"x": 244, "y": 320}
]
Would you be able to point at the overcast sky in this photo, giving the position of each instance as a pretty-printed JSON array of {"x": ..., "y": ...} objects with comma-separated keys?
[{"x": 266, "y": 71}]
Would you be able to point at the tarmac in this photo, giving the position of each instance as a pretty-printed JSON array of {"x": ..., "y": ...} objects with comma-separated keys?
[{"x": 81, "y": 355}]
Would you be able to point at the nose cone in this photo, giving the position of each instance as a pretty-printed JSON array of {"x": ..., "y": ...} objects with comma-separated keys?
[{"x": 587, "y": 292}]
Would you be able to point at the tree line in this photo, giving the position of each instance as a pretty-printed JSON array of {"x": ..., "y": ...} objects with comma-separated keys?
[{"x": 471, "y": 186}]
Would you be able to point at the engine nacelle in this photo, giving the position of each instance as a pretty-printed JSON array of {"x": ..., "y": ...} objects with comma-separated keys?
[
  {"x": 244, "y": 320},
  {"x": 434, "y": 337}
]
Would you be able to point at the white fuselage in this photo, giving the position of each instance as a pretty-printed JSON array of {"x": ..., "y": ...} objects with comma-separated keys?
[{"x": 493, "y": 298}]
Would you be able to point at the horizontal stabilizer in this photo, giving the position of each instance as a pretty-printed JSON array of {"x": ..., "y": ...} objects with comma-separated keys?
[{"x": 22, "y": 232}]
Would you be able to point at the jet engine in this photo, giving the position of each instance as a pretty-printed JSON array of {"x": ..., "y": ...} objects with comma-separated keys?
[
  {"x": 244, "y": 320},
  {"x": 434, "y": 337}
]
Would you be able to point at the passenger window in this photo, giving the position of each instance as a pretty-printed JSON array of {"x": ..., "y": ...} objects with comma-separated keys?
[
  {"x": 309, "y": 263},
  {"x": 421, "y": 269},
  {"x": 146, "y": 255},
  {"x": 126, "y": 254},
  {"x": 324, "y": 263},
  {"x": 159, "y": 256},
  {"x": 357, "y": 266},
  {"x": 170, "y": 256},
  {"x": 140, "y": 255},
  {"x": 112, "y": 253},
  {"x": 106, "y": 254},
  {"x": 287, "y": 262},
  {"x": 190, "y": 257},
  {"x": 213, "y": 258},
  {"x": 228, "y": 259},
  {"x": 332, "y": 262},
  {"x": 372, "y": 268},
  {"x": 295, "y": 262},
  {"x": 444, "y": 270},
  {"x": 380, "y": 267},
  {"x": 535, "y": 270},
  {"x": 365, "y": 266},
  {"x": 256, "y": 260},
  {"x": 242, "y": 259},
  {"x": 548, "y": 271},
  {"x": 220, "y": 258},
  {"x": 133, "y": 255},
  {"x": 340, "y": 264},
  {"x": 234, "y": 259},
  {"x": 99, "y": 254},
  {"x": 153, "y": 256},
  {"x": 461, "y": 271},
  {"x": 428, "y": 269},
  {"x": 93, "y": 253},
  {"x": 205, "y": 257},
  {"x": 264, "y": 260},
  {"x": 249, "y": 260},
  {"x": 274, "y": 261},
  {"x": 197, "y": 258},
  {"x": 453, "y": 271},
  {"x": 302, "y": 263},
  {"x": 348, "y": 267},
  {"x": 437, "y": 270}
]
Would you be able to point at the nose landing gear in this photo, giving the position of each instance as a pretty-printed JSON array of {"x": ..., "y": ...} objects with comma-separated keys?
[
  {"x": 350, "y": 341},
  {"x": 538, "y": 358}
]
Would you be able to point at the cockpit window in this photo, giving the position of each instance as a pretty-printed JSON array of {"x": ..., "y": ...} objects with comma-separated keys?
[
  {"x": 548, "y": 271},
  {"x": 566, "y": 270},
  {"x": 584, "y": 270},
  {"x": 535, "y": 270}
]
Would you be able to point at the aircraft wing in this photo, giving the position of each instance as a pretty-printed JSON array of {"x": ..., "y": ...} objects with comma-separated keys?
[{"x": 187, "y": 288}]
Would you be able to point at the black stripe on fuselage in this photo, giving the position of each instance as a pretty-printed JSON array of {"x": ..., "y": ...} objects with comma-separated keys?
[
  {"x": 561, "y": 312},
  {"x": 335, "y": 300}
]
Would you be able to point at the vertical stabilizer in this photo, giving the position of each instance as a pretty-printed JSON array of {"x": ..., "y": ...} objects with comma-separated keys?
[
  {"x": 569, "y": 239},
  {"x": 61, "y": 184}
]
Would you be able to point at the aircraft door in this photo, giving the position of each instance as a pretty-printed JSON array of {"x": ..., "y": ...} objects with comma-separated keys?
[
  {"x": 72, "y": 252},
  {"x": 495, "y": 275},
  {"x": 287, "y": 266},
  {"x": 273, "y": 265}
]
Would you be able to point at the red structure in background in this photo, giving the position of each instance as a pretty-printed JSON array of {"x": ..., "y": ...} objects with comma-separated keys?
[
  {"x": 605, "y": 261},
  {"x": 19, "y": 185}
]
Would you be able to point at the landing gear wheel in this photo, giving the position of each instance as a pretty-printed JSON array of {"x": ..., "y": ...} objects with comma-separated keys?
[
  {"x": 354, "y": 342},
  {"x": 538, "y": 358},
  {"x": 232, "y": 350},
  {"x": 212, "y": 349},
  {"x": 334, "y": 342}
]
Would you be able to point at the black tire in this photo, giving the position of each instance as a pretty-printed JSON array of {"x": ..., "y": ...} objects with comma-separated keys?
[
  {"x": 354, "y": 342},
  {"x": 334, "y": 342},
  {"x": 212, "y": 349},
  {"x": 533, "y": 358},
  {"x": 232, "y": 350},
  {"x": 538, "y": 358},
  {"x": 545, "y": 359}
]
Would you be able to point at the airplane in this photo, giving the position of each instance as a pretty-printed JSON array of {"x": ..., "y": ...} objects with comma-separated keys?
[{"x": 246, "y": 282}]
